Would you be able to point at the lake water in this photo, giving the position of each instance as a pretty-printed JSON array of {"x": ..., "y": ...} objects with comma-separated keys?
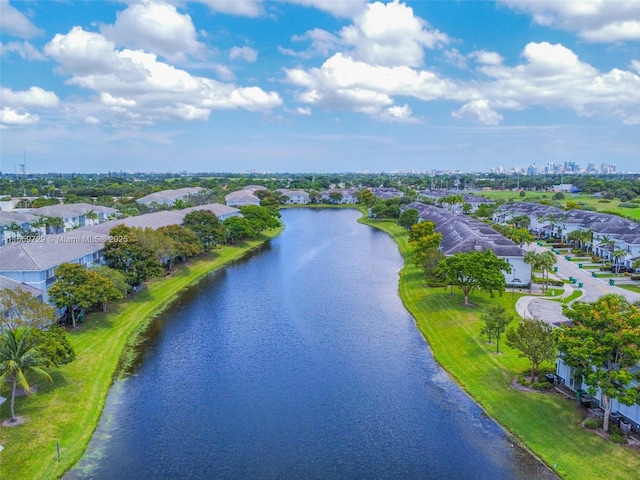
[{"x": 298, "y": 362}]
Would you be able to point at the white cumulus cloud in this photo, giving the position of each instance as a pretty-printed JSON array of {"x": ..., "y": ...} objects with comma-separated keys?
[
  {"x": 593, "y": 20},
  {"x": 478, "y": 111},
  {"x": 134, "y": 85},
  {"x": 155, "y": 27},
  {"x": 13, "y": 117},
  {"x": 390, "y": 34}
]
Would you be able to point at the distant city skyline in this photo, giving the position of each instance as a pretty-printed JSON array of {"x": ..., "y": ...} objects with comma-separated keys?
[{"x": 319, "y": 86}]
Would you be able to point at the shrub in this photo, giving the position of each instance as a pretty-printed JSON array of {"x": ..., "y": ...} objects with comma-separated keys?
[
  {"x": 620, "y": 439},
  {"x": 593, "y": 423}
]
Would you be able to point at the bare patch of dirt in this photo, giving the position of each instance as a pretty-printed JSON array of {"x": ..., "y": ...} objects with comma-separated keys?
[{"x": 15, "y": 422}]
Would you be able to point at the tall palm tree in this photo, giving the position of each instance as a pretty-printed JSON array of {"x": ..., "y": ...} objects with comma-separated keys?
[
  {"x": 546, "y": 261},
  {"x": 533, "y": 259},
  {"x": 19, "y": 355},
  {"x": 616, "y": 255},
  {"x": 39, "y": 224},
  {"x": 15, "y": 229},
  {"x": 92, "y": 215},
  {"x": 54, "y": 224}
]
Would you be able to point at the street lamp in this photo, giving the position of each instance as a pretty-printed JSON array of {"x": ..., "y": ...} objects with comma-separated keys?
[{"x": 513, "y": 284}]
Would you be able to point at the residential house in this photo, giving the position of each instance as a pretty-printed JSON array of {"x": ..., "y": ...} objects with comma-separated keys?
[
  {"x": 34, "y": 263},
  {"x": 387, "y": 193},
  {"x": 294, "y": 197},
  {"x": 14, "y": 226},
  {"x": 461, "y": 233},
  {"x": 241, "y": 198},
  {"x": 628, "y": 413},
  {"x": 340, "y": 196},
  {"x": 169, "y": 197}
]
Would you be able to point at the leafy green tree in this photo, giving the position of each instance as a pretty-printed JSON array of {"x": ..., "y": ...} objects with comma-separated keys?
[
  {"x": 239, "y": 228},
  {"x": 474, "y": 270},
  {"x": 73, "y": 288},
  {"x": 21, "y": 309},
  {"x": 125, "y": 252},
  {"x": 521, "y": 221},
  {"x": 54, "y": 345},
  {"x": 495, "y": 321},
  {"x": 603, "y": 344},
  {"x": 408, "y": 218},
  {"x": 207, "y": 227},
  {"x": 424, "y": 239},
  {"x": 164, "y": 247},
  {"x": 19, "y": 356},
  {"x": 389, "y": 208},
  {"x": 485, "y": 210},
  {"x": 261, "y": 217},
  {"x": 520, "y": 236},
  {"x": 111, "y": 285},
  {"x": 366, "y": 197},
  {"x": 186, "y": 241},
  {"x": 534, "y": 339}
]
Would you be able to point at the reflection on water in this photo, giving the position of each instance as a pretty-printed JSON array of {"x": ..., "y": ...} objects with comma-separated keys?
[{"x": 299, "y": 363}]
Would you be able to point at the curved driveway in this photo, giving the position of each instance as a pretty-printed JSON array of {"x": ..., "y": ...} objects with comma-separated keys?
[{"x": 593, "y": 288}]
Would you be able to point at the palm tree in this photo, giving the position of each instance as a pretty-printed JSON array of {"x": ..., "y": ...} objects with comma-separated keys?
[
  {"x": 546, "y": 261},
  {"x": 533, "y": 259},
  {"x": 608, "y": 240},
  {"x": 15, "y": 229},
  {"x": 616, "y": 255},
  {"x": 19, "y": 355},
  {"x": 39, "y": 224},
  {"x": 91, "y": 215},
  {"x": 54, "y": 224},
  {"x": 587, "y": 239}
]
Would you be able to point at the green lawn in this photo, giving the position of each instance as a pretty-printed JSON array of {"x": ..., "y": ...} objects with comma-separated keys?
[
  {"x": 631, "y": 288},
  {"x": 547, "y": 423},
  {"x": 68, "y": 410}
]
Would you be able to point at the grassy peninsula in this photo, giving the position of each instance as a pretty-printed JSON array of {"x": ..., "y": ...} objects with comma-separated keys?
[
  {"x": 68, "y": 410},
  {"x": 548, "y": 424}
]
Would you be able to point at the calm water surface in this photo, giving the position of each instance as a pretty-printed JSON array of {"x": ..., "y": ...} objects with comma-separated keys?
[{"x": 297, "y": 363}]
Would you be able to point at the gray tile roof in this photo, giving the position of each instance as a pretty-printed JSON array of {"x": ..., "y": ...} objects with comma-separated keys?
[
  {"x": 10, "y": 284},
  {"x": 169, "y": 196},
  {"x": 7, "y": 217},
  {"x": 51, "y": 250},
  {"x": 71, "y": 210},
  {"x": 461, "y": 233}
]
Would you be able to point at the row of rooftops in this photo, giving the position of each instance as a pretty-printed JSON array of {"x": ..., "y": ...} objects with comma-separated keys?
[
  {"x": 466, "y": 197},
  {"x": 49, "y": 251},
  {"x": 70, "y": 210},
  {"x": 461, "y": 233},
  {"x": 168, "y": 197},
  {"x": 601, "y": 223}
]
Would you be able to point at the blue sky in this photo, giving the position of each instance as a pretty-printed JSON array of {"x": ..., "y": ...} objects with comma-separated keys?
[{"x": 318, "y": 85}]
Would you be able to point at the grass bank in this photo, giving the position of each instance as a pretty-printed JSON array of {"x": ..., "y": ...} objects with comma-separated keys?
[
  {"x": 68, "y": 410},
  {"x": 546, "y": 423}
]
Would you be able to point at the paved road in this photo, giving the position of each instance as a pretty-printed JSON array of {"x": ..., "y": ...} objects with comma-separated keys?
[{"x": 594, "y": 288}]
